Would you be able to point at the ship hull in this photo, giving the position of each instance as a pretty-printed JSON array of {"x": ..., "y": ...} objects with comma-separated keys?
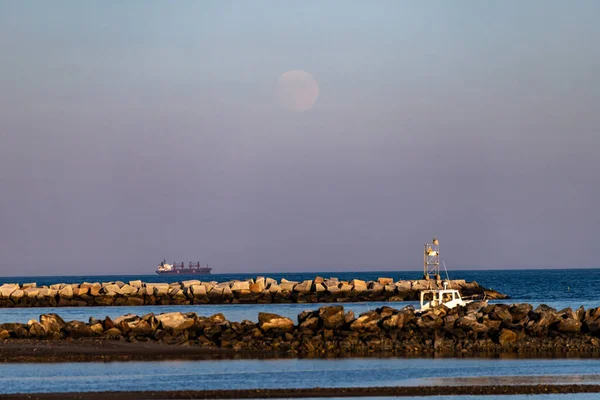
[{"x": 183, "y": 272}]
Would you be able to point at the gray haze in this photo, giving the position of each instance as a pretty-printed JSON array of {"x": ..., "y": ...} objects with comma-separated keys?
[{"x": 132, "y": 131}]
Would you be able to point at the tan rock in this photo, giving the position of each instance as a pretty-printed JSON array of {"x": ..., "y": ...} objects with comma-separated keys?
[
  {"x": 403, "y": 286},
  {"x": 345, "y": 288},
  {"x": 17, "y": 295},
  {"x": 95, "y": 290},
  {"x": 287, "y": 285},
  {"x": 377, "y": 287},
  {"x": 260, "y": 280},
  {"x": 304, "y": 287},
  {"x": 239, "y": 286},
  {"x": 390, "y": 288},
  {"x": 198, "y": 290},
  {"x": 66, "y": 292},
  {"x": 112, "y": 290},
  {"x": 136, "y": 284},
  {"x": 7, "y": 289},
  {"x": 128, "y": 290},
  {"x": 81, "y": 291},
  {"x": 274, "y": 288},
  {"x": 36, "y": 329},
  {"x": 269, "y": 281},
  {"x": 267, "y": 322},
  {"x": 52, "y": 322},
  {"x": 385, "y": 281},
  {"x": 174, "y": 321},
  {"x": 319, "y": 287},
  {"x": 359, "y": 285}
]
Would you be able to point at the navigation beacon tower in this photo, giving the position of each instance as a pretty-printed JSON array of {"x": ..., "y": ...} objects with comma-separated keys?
[{"x": 431, "y": 260}]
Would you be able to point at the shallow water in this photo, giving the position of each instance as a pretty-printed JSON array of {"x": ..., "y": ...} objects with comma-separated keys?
[
  {"x": 233, "y": 312},
  {"x": 251, "y": 374}
]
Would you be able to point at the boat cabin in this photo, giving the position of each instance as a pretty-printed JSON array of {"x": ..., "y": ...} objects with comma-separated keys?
[{"x": 435, "y": 297}]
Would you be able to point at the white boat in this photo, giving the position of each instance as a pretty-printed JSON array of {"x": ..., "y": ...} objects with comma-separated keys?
[{"x": 450, "y": 298}]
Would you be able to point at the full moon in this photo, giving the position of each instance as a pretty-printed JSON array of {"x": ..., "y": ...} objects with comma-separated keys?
[{"x": 297, "y": 90}]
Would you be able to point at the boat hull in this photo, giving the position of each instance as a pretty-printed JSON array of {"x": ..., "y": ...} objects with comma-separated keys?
[{"x": 184, "y": 272}]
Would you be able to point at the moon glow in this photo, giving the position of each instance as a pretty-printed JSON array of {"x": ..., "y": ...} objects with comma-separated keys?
[{"x": 297, "y": 90}]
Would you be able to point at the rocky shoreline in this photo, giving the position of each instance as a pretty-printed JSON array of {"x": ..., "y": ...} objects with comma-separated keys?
[
  {"x": 478, "y": 329},
  {"x": 259, "y": 290}
]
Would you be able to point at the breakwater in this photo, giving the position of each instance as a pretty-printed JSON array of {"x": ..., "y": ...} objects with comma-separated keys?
[
  {"x": 477, "y": 328},
  {"x": 258, "y": 290}
]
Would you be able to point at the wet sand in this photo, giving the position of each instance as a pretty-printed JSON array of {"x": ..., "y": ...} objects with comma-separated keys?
[
  {"x": 397, "y": 391},
  {"x": 28, "y": 350},
  {"x": 100, "y": 350}
]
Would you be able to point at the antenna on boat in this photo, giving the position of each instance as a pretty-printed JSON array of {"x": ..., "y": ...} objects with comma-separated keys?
[{"x": 447, "y": 276}]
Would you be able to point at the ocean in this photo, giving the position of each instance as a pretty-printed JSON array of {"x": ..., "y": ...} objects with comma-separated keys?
[{"x": 557, "y": 288}]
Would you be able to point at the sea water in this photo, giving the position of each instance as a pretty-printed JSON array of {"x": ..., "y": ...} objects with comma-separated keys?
[{"x": 291, "y": 373}]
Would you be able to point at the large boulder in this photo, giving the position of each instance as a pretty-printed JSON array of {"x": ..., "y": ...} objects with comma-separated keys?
[
  {"x": 7, "y": 289},
  {"x": 141, "y": 328},
  {"x": 112, "y": 290},
  {"x": 128, "y": 290},
  {"x": 359, "y": 285},
  {"x": 189, "y": 283},
  {"x": 52, "y": 322},
  {"x": 78, "y": 329},
  {"x": 36, "y": 329},
  {"x": 520, "y": 311},
  {"x": 366, "y": 322},
  {"x": 385, "y": 281},
  {"x": 17, "y": 295},
  {"x": 332, "y": 317},
  {"x": 304, "y": 287},
  {"x": 174, "y": 321},
  {"x": 569, "y": 325},
  {"x": 507, "y": 336},
  {"x": 66, "y": 292},
  {"x": 198, "y": 290},
  {"x": 269, "y": 322}
]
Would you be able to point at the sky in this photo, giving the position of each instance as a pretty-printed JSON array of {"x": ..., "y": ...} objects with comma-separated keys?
[{"x": 141, "y": 130}]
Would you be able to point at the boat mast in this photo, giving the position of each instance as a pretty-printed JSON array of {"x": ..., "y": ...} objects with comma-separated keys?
[{"x": 431, "y": 260}]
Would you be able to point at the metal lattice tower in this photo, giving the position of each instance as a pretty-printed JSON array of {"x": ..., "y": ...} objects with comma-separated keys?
[{"x": 431, "y": 260}]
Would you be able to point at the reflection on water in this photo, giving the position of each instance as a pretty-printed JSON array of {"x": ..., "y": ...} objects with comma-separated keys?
[{"x": 293, "y": 373}]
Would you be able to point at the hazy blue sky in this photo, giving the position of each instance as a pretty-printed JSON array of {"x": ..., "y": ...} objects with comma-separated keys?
[{"x": 132, "y": 131}]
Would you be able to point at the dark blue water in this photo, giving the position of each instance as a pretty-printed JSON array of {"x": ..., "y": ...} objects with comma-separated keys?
[
  {"x": 253, "y": 374},
  {"x": 579, "y": 285}
]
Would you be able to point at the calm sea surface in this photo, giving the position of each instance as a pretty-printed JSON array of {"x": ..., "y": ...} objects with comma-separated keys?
[{"x": 252, "y": 374}]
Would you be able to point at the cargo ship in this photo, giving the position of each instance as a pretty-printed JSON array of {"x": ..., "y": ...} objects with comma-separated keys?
[{"x": 180, "y": 269}]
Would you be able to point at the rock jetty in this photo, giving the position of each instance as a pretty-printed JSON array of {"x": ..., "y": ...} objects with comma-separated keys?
[
  {"x": 259, "y": 290},
  {"x": 477, "y": 328}
]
